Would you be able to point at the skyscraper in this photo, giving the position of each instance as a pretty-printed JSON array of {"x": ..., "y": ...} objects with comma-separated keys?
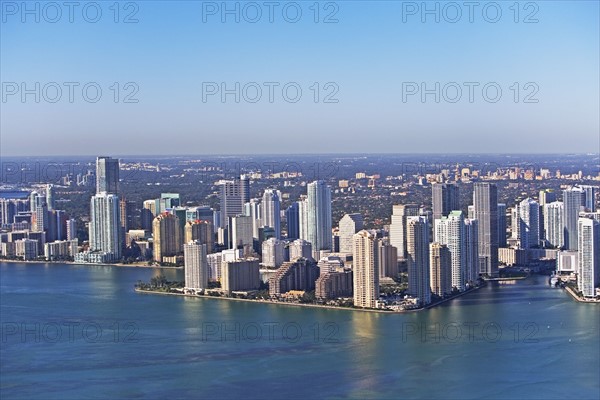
[
  {"x": 271, "y": 210},
  {"x": 292, "y": 217},
  {"x": 572, "y": 205},
  {"x": 589, "y": 197},
  {"x": 300, "y": 248},
  {"x": 107, "y": 175},
  {"x": 348, "y": 226},
  {"x": 450, "y": 231},
  {"x": 485, "y": 210},
  {"x": 105, "y": 225},
  {"x": 201, "y": 231},
  {"x": 273, "y": 253},
  {"x": 472, "y": 250},
  {"x": 232, "y": 196},
  {"x": 553, "y": 224},
  {"x": 50, "y": 196},
  {"x": 502, "y": 225},
  {"x": 196, "y": 265},
  {"x": 166, "y": 234},
  {"x": 445, "y": 198},
  {"x": 417, "y": 248},
  {"x": 319, "y": 216},
  {"x": 398, "y": 226},
  {"x": 528, "y": 224},
  {"x": 387, "y": 259},
  {"x": 440, "y": 271},
  {"x": 241, "y": 233},
  {"x": 365, "y": 270},
  {"x": 588, "y": 274}
]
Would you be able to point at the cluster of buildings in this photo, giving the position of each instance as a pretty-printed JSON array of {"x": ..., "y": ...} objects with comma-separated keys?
[{"x": 250, "y": 242}]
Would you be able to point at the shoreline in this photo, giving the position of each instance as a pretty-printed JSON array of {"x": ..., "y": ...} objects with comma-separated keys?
[
  {"x": 579, "y": 299},
  {"x": 87, "y": 264},
  {"x": 277, "y": 303}
]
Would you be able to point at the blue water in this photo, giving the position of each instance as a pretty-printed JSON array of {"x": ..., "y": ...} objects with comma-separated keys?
[{"x": 60, "y": 340}]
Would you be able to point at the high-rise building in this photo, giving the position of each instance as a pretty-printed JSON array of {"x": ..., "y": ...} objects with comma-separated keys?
[
  {"x": 417, "y": 247},
  {"x": 485, "y": 210},
  {"x": 445, "y": 198},
  {"x": 472, "y": 250},
  {"x": 319, "y": 216},
  {"x": 253, "y": 209},
  {"x": 299, "y": 274},
  {"x": 348, "y": 226},
  {"x": 50, "y": 196},
  {"x": 166, "y": 234},
  {"x": 201, "y": 231},
  {"x": 233, "y": 194},
  {"x": 589, "y": 197},
  {"x": 105, "y": 225},
  {"x": 450, "y": 231},
  {"x": 300, "y": 248},
  {"x": 398, "y": 226},
  {"x": 573, "y": 199},
  {"x": 440, "y": 271},
  {"x": 196, "y": 265},
  {"x": 150, "y": 210},
  {"x": 365, "y": 270},
  {"x": 588, "y": 274},
  {"x": 273, "y": 253},
  {"x": 271, "y": 210},
  {"x": 292, "y": 217},
  {"x": 107, "y": 175},
  {"x": 241, "y": 232},
  {"x": 502, "y": 225},
  {"x": 240, "y": 275},
  {"x": 553, "y": 224},
  {"x": 387, "y": 259},
  {"x": 71, "y": 229},
  {"x": 303, "y": 218},
  {"x": 334, "y": 284},
  {"x": 528, "y": 224},
  {"x": 26, "y": 248},
  {"x": 40, "y": 219}
]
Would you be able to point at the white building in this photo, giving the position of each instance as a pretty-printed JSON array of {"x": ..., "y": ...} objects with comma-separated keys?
[
  {"x": 196, "y": 265},
  {"x": 105, "y": 225},
  {"x": 318, "y": 213},
  {"x": 554, "y": 224},
  {"x": 588, "y": 276},
  {"x": 26, "y": 248},
  {"x": 398, "y": 226},
  {"x": 300, "y": 248},
  {"x": 365, "y": 270},
  {"x": 273, "y": 253},
  {"x": 417, "y": 247},
  {"x": 528, "y": 223},
  {"x": 348, "y": 226},
  {"x": 271, "y": 210}
]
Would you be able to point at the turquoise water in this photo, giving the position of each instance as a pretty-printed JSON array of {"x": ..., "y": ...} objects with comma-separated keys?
[{"x": 60, "y": 340}]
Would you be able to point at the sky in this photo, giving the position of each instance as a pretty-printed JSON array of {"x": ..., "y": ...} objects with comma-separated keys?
[{"x": 186, "y": 77}]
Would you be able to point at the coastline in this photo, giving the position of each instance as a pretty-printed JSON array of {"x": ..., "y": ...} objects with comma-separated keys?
[
  {"x": 86, "y": 264},
  {"x": 579, "y": 299}
]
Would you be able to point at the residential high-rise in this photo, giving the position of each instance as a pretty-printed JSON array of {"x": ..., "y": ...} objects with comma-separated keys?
[
  {"x": 318, "y": 213},
  {"x": 240, "y": 275},
  {"x": 292, "y": 217},
  {"x": 387, "y": 259},
  {"x": 150, "y": 209},
  {"x": 445, "y": 198},
  {"x": 450, "y": 231},
  {"x": 365, "y": 270},
  {"x": 485, "y": 210},
  {"x": 196, "y": 265},
  {"x": 553, "y": 224},
  {"x": 105, "y": 225},
  {"x": 398, "y": 226},
  {"x": 528, "y": 224},
  {"x": 300, "y": 248},
  {"x": 572, "y": 205},
  {"x": 107, "y": 175},
  {"x": 71, "y": 229},
  {"x": 417, "y": 247},
  {"x": 271, "y": 210},
  {"x": 588, "y": 273},
  {"x": 349, "y": 225},
  {"x": 472, "y": 250},
  {"x": 241, "y": 233},
  {"x": 334, "y": 284},
  {"x": 299, "y": 274},
  {"x": 273, "y": 253},
  {"x": 127, "y": 214},
  {"x": 440, "y": 271},
  {"x": 589, "y": 197},
  {"x": 502, "y": 225},
  {"x": 253, "y": 209},
  {"x": 201, "y": 231},
  {"x": 233, "y": 195},
  {"x": 50, "y": 196},
  {"x": 166, "y": 234}
]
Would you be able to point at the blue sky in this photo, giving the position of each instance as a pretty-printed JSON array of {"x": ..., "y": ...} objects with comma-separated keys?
[{"x": 369, "y": 55}]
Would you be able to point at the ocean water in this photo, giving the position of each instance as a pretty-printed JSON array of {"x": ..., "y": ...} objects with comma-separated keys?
[{"x": 73, "y": 332}]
